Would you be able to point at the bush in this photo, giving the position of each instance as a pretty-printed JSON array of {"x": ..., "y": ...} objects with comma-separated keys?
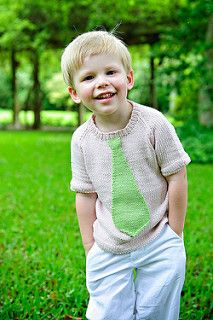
[{"x": 197, "y": 141}]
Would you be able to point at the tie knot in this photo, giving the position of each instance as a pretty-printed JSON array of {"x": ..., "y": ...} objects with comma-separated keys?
[{"x": 115, "y": 143}]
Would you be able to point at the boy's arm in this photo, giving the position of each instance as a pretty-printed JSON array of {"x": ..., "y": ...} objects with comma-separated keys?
[
  {"x": 178, "y": 190},
  {"x": 85, "y": 208}
]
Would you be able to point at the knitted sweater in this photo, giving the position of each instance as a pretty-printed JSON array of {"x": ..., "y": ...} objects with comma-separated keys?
[{"x": 127, "y": 170}]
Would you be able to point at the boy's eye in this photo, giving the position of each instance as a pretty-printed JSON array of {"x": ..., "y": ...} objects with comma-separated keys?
[
  {"x": 87, "y": 78},
  {"x": 111, "y": 72}
]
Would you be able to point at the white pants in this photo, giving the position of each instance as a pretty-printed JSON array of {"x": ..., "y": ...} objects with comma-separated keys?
[{"x": 152, "y": 294}]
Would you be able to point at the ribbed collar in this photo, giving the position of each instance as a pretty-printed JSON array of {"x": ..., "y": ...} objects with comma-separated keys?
[{"x": 118, "y": 133}]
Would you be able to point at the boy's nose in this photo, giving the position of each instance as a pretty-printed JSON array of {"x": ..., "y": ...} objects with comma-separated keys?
[{"x": 102, "y": 82}]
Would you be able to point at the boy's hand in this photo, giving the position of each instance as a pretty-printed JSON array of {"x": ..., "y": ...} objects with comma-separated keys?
[
  {"x": 179, "y": 233},
  {"x": 87, "y": 247}
]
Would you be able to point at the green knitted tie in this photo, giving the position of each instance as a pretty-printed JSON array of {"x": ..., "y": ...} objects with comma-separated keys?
[{"x": 130, "y": 213}]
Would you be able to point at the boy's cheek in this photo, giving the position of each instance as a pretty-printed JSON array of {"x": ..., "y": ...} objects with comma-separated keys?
[
  {"x": 83, "y": 88},
  {"x": 121, "y": 82},
  {"x": 87, "y": 93}
]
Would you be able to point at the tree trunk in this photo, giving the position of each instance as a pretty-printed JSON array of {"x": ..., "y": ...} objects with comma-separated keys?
[
  {"x": 205, "y": 94},
  {"x": 36, "y": 92},
  {"x": 153, "y": 96},
  {"x": 15, "y": 108}
]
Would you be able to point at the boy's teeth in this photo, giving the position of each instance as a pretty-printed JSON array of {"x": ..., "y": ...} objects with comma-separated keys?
[{"x": 104, "y": 96}]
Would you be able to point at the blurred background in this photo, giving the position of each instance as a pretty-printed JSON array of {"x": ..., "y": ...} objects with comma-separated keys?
[
  {"x": 170, "y": 42},
  {"x": 42, "y": 260}
]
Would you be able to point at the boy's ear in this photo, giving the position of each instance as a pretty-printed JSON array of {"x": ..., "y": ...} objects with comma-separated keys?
[
  {"x": 74, "y": 95},
  {"x": 130, "y": 80}
]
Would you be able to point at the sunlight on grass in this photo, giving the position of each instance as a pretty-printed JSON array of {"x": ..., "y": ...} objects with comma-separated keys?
[{"x": 50, "y": 117}]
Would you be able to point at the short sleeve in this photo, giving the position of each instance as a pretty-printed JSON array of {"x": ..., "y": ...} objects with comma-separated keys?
[
  {"x": 170, "y": 153},
  {"x": 80, "y": 181}
]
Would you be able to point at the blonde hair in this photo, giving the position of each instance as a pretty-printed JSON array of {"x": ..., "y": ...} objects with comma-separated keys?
[{"x": 92, "y": 43}]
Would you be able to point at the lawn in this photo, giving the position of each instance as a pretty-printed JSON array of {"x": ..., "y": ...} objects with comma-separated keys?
[{"x": 42, "y": 272}]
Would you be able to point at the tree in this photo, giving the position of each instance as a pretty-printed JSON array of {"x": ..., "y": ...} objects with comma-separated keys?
[
  {"x": 190, "y": 49},
  {"x": 36, "y": 25},
  {"x": 10, "y": 35},
  {"x": 205, "y": 94}
]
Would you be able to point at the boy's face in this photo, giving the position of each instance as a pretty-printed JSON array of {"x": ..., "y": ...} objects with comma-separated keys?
[{"x": 101, "y": 84}]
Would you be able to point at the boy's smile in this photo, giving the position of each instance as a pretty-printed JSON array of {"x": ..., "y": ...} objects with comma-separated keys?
[
  {"x": 102, "y": 84},
  {"x": 105, "y": 96}
]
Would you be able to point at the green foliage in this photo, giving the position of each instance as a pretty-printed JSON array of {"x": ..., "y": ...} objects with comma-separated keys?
[
  {"x": 193, "y": 18},
  {"x": 140, "y": 63},
  {"x": 42, "y": 274},
  {"x": 186, "y": 51},
  {"x": 175, "y": 32},
  {"x": 197, "y": 141},
  {"x": 35, "y": 23},
  {"x": 186, "y": 104},
  {"x": 184, "y": 80},
  {"x": 57, "y": 93},
  {"x": 49, "y": 118}
]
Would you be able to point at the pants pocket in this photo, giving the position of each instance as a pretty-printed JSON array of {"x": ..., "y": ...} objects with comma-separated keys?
[
  {"x": 90, "y": 251},
  {"x": 174, "y": 233}
]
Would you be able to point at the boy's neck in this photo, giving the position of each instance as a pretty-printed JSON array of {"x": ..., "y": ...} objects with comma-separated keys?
[{"x": 114, "y": 122}]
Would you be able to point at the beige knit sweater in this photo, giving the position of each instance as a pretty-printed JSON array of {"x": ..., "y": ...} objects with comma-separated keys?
[{"x": 127, "y": 170}]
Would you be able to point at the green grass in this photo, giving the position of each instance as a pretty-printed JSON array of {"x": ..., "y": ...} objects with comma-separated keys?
[{"x": 42, "y": 271}]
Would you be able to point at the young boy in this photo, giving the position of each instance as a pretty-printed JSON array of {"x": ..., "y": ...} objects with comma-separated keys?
[{"x": 128, "y": 170}]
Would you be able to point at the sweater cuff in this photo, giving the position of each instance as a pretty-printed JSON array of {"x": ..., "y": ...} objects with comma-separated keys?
[
  {"x": 81, "y": 188},
  {"x": 175, "y": 166}
]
